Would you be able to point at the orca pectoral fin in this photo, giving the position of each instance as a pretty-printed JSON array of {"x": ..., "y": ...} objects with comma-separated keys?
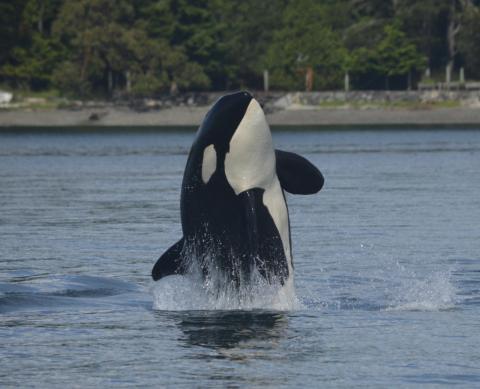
[
  {"x": 170, "y": 262},
  {"x": 296, "y": 174}
]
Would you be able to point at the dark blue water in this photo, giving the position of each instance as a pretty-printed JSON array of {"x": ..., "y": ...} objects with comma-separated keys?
[{"x": 387, "y": 263}]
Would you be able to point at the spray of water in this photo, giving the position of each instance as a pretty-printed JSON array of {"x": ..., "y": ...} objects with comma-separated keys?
[
  {"x": 390, "y": 287},
  {"x": 216, "y": 291},
  {"x": 433, "y": 292}
]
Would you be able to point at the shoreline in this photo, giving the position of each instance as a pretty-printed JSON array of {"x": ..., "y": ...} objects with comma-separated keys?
[{"x": 192, "y": 117}]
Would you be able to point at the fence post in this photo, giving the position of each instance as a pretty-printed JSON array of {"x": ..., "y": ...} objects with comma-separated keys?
[
  {"x": 128, "y": 81},
  {"x": 448, "y": 76},
  {"x": 265, "y": 80}
]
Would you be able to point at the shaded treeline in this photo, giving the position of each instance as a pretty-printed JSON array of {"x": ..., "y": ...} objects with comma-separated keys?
[{"x": 151, "y": 47}]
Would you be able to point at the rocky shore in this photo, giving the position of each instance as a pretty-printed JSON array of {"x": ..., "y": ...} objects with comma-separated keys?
[{"x": 327, "y": 109}]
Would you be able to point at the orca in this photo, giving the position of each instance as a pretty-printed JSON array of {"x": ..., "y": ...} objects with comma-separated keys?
[{"x": 233, "y": 210}]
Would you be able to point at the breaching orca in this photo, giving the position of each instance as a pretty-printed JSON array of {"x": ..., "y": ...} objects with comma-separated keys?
[{"x": 233, "y": 210}]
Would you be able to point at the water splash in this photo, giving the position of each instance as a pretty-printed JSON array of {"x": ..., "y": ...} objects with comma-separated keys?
[
  {"x": 434, "y": 292},
  {"x": 180, "y": 293},
  {"x": 390, "y": 287},
  {"x": 220, "y": 291}
]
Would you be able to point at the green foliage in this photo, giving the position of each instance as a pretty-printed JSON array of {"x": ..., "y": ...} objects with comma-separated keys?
[
  {"x": 10, "y": 17},
  {"x": 66, "y": 79},
  {"x": 40, "y": 14},
  {"x": 107, "y": 41},
  {"x": 94, "y": 32},
  {"x": 32, "y": 65},
  {"x": 151, "y": 47},
  {"x": 469, "y": 43},
  {"x": 424, "y": 22},
  {"x": 393, "y": 56},
  {"x": 297, "y": 46},
  {"x": 396, "y": 54},
  {"x": 246, "y": 38},
  {"x": 378, "y": 9},
  {"x": 33, "y": 53},
  {"x": 199, "y": 31}
]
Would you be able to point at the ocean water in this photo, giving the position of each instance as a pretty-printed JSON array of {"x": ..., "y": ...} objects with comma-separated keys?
[{"x": 387, "y": 266}]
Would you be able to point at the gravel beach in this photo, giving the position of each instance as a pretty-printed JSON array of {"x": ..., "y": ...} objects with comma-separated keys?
[{"x": 192, "y": 116}]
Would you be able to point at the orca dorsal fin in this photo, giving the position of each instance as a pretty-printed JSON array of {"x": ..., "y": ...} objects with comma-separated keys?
[
  {"x": 296, "y": 174},
  {"x": 171, "y": 262}
]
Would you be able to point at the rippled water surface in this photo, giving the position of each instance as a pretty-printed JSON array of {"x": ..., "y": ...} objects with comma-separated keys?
[{"x": 387, "y": 266}]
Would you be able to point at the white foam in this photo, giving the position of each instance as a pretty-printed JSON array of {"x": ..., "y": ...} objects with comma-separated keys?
[{"x": 180, "y": 293}]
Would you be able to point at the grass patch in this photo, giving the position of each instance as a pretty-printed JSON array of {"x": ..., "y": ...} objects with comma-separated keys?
[
  {"x": 44, "y": 94},
  {"x": 333, "y": 104}
]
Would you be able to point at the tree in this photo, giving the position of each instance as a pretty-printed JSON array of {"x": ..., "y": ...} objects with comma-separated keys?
[
  {"x": 10, "y": 19},
  {"x": 251, "y": 26},
  {"x": 469, "y": 41},
  {"x": 305, "y": 41},
  {"x": 162, "y": 25},
  {"x": 94, "y": 33},
  {"x": 156, "y": 67},
  {"x": 149, "y": 47},
  {"x": 397, "y": 55},
  {"x": 33, "y": 52},
  {"x": 40, "y": 14},
  {"x": 393, "y": 56},
  {"x": 31, "y": 66},
  {"x": 197, "y": 28},
  {"x": 425, "y": 24},
  {"x": 379, "y": 9}
]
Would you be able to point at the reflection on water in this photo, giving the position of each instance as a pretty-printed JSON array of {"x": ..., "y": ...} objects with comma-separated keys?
[{"x": 229, "y": 329}]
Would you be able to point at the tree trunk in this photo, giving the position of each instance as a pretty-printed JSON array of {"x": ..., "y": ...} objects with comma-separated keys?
[
  {"x": 173, "y": 88},
  {"x": 85, "y": 62},
  {"x": 309, "y": 79},
  {"x": 452, "y": 31},
  {"x": 395, "y": 6},
  {"x": 128, "y": 81},
  {"x": 110, "y": 81},
  {"x": 41, "y": 11}
]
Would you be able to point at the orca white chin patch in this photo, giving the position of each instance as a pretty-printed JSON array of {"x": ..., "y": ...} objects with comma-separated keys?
[
  {"x": 209, "y": 163},
  {"x": 250, "y": 162}
]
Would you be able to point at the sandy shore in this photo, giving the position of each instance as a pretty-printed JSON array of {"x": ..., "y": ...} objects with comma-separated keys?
[{"x": 192, "y": 116}]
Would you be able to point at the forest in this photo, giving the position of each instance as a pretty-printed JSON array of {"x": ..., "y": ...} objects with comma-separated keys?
[{"x": 143, "y": 48}]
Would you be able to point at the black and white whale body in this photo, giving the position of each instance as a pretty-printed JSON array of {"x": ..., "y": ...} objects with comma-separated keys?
[{"x": 233, "y": 210}]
